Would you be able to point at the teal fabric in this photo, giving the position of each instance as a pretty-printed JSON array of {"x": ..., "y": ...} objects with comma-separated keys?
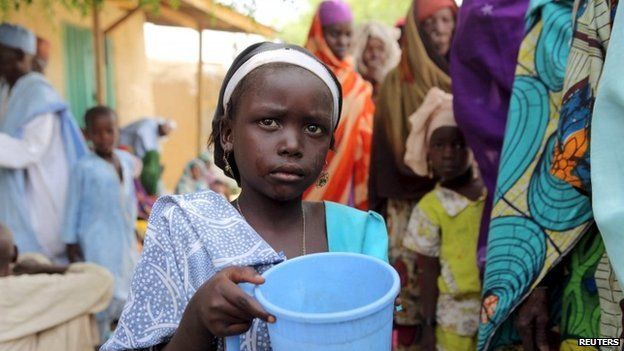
[
  {"x": 352, "y": 230},
  {"x": 607, "y": 159}
]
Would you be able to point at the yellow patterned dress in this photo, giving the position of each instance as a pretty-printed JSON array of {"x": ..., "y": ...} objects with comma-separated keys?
[{"x": 445, "y": 224}]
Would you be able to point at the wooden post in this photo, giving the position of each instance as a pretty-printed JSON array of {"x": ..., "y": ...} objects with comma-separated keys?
[
  {"x": 98, "y": 45},
  {"x": 200, "y": 93}
]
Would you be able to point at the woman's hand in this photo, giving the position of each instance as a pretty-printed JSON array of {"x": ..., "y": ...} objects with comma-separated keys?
[
  {"x": 225, "y": 309},
  {"x": 532, "y": 321}
]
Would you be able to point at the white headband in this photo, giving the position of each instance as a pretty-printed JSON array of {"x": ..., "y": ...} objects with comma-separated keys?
[{"x": 284, "y": 55}]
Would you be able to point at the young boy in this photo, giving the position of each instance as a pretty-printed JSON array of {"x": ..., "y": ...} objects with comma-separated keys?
[
  {"x": 48, "y": 307},
  {"x": 101, "y": 210}
]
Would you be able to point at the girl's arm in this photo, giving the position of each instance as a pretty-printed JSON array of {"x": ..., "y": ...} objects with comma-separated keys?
[{"x": 429, "y": 296}]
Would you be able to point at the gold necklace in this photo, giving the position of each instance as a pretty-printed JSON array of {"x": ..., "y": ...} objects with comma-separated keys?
[{"x": 303, "y": 229}]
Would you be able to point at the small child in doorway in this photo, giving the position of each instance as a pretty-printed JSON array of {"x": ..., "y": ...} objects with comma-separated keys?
[
  {"x": 444, "y": 227},
  {"x": 101, "y": 210}
]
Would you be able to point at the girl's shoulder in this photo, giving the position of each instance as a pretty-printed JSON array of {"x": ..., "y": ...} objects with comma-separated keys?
[
  {"x": 205, "y": 203},
  {"x": 432, "y": 196},
  {"x": 442, "y": 202},
  {"x": 353, "y": 230},
  {"x": 338, "y": 211}
]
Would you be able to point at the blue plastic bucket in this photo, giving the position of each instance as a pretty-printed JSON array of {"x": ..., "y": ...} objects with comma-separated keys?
[{"x": 329, "y": 302}]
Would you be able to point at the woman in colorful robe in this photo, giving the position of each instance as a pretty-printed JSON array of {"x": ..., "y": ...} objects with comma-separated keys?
[{"x": 543, "y": 248}]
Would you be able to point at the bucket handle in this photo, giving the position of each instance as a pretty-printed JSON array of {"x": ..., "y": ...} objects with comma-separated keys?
[{"x": 232, "y": 343}]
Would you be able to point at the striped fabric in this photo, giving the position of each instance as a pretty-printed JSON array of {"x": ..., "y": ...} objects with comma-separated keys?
[{"x": 610, "y": 294}]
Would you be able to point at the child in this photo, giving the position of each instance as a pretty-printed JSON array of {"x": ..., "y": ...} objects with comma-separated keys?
[
  {"x": 444, "y": 227},
  {"x": 277, "y": 112},
  {"x": 101, "y": 209}
]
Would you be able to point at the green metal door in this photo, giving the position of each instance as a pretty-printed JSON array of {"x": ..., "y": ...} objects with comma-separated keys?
[{"x": 80, "y": 71}]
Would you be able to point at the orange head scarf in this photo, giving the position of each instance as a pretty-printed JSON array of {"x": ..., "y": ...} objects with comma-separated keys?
[{"x": 348, "y": 164}]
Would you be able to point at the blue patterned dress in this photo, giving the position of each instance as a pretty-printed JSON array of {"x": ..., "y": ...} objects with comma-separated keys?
[{"x": 192, "y": 237}]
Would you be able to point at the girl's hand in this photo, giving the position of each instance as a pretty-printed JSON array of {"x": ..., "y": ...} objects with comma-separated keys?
[{"x": 223, "y": 308}]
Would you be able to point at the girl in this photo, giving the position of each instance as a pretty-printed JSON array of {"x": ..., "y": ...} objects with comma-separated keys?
[
  {"x": 101, "y": 210},
  {"x": 444, "y": 227},
  {"x": 348, "y": 164},
  {"x": 278, "y": 110}
]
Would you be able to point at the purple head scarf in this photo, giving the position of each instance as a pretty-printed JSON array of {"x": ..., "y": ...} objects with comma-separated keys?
[
  {"x": 334, "y": 11},
  {"x": 484, "y": 56}
]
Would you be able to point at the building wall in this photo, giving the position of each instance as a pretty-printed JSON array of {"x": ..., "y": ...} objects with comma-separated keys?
[
  {"x": 143, "y": 88},
  {"x": 132, "y": 81},
  {"x": 175, "y": 97}
]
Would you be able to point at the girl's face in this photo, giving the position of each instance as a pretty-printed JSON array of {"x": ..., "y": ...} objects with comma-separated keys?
[
  {"x": 281, "y": 131},
  {"x": 338, "y": 37},
  {"x": 440, "y": 27},
  {"x": 448, "y": 153}
]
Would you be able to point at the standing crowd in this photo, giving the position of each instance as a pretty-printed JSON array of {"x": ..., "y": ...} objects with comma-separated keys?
[{"x": 473, "y": 148}]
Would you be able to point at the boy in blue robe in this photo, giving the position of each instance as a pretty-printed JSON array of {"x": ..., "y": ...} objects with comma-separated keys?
[{"x": 101, "y": 209}]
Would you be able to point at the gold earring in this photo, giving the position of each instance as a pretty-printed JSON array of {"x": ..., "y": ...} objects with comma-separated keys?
[
  {"x": 323, "y": 178},
  {"x": 228, "y": 168}
]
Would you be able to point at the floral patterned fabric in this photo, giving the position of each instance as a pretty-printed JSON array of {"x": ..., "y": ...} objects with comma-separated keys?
[{"x": 592, "y": 31}]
